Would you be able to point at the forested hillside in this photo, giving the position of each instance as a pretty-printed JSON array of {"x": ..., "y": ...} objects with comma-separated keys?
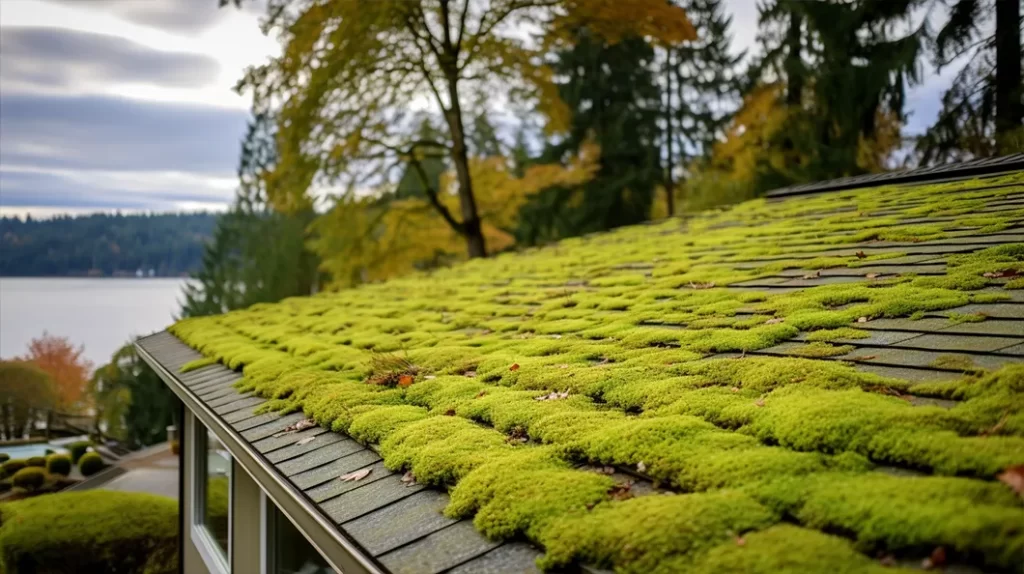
[{"x": 104, "y": 245}]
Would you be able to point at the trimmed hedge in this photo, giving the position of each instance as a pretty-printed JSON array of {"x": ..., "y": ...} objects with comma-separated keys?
[
  {"x": 89, "y": 532},
  {"x": 12, "y": 466},
  {"x": 29, "y": 478},
  {"x": 39, "y": 461},
  {"x": 4, "y": 457},
  {"x": 90, "y": 464},
  {"x": 77, "y": 449},
  {"x": 58, "y": 464}
]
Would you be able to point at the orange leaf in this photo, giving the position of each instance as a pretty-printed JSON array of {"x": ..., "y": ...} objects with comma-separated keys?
[
  {"x": 514, "y": 367},
  {"x": 357, "y": 475},
  {"x": 1013, "y": 477},
  {"x": 405, "y": 380}
]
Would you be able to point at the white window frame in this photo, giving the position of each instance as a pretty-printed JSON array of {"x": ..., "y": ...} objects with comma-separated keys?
[{"x": 216, "y": 560}]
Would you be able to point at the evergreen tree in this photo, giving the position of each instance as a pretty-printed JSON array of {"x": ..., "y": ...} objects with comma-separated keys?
[
  {"x": 257, "y": 255},
  {"x": 702, "y": 83},
  {"x": 132, "y": 403},
  {"x": 615, "y": 102},
  {"x": 983, "y": 111}
]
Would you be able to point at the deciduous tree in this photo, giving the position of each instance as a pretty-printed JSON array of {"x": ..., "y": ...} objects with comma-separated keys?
[
  {"x": 65, "y": 365},
  {"x": 25, "y": 389}
]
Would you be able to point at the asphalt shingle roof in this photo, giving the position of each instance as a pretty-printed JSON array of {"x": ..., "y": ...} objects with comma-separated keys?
[{"x": 821, "y": 379}]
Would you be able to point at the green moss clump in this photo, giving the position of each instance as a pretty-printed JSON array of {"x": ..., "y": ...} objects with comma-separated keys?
[
  {"x": 86, "y": 532},
  {"x": 197, "y": 364},
  {"x": 822, "y": 350},
  {"x": 842, "y": 333}
]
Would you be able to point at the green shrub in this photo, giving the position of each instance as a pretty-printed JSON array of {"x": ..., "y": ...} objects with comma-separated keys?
[
  {"x": 12, "y": 466},
  {"x": 4, "y": 457},
  {"x": 58, "y": 464},
  {"x": 88, "y": 532},
  {"x": 39, "y": 461},
  {"x": 49, "y": 451},
  {"x": 29, "y": 478},
  {"x": 77, "y": 449},
  {"x": 90, "y": 464}
]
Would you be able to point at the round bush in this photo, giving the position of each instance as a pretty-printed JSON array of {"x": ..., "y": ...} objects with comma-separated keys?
[
  {"x": 12, "y": 466},
  {"x": 58, "y": 464},
  {"x": 49, "y": 451},
  {"x": 77, "y": 449},
  {"x": 29, "y": 478},
  {"x": 4, "y": 457},
  {"x": 90, "y": 464},
  {"x": 39, "y": 461}
]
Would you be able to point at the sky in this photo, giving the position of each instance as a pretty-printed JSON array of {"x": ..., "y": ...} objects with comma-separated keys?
[{"x": 128, "y": 104}]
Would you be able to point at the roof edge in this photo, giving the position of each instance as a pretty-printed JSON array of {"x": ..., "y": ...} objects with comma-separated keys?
[
  {"x": 329, "y": 541},
  {"x": 973, "y": 168}
]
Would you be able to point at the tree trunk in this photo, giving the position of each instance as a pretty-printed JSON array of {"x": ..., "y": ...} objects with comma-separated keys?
[
  {"x": 670, "y": 192},
  {"x": 1009, "y": 110},
  {"x": 460, "y": 157},
  {"x": 793, "y": 64}
]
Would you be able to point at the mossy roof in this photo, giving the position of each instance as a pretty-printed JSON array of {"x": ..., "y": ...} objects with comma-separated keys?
[{"x": 826, "y": 379}]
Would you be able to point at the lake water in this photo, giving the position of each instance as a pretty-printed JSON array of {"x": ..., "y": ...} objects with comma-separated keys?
[{"x": 102, "y": 314}]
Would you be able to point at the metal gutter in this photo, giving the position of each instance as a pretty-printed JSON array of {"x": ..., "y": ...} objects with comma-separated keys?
[{"x": 338, "y": 550}]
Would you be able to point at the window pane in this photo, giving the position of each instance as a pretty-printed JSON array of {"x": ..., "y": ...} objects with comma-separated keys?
[
  {"x": 217, "y": 477},
  {"x": 290, "y": 552}
]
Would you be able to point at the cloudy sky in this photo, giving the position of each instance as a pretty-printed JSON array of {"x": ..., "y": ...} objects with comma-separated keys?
[{"x": 127, "y": 104}]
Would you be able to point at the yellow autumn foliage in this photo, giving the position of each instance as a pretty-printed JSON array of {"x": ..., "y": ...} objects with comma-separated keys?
[{"x": 364, "y": 239}]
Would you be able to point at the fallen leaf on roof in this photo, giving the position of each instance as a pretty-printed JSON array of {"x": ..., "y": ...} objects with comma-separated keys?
[
  {"x": 937, "y": 559},
  {"x": 299, "y": 426},
  {"x": 735, "y": 389},
  {"x": 814, "y": 275},
  {"x": 514, "y": 367},
  {"x": 357, "y": 475},
  {"x": 607, "y": 470},
  {"x": 621, "y": 491},
  {"x": 306, "y": 440},
  {"x": 774, "y": 321},
  {"x": 430, "y": 377},
  {"x": 1003, "y": 273},
  {"x": 1013, "y": 477},
  {"x": 740, "y": 541},
  {"x": 708, "y": 285},
  {"x": 872, "y": 275},
  {"x": 860, "y": 255},
  {"x": 862, "y": 319},
  {"x": 641, "y": 467},
  {"x": 481, "y": 394},
  {"x": 759, "y": 402},
  {"x": 409, "y": 479},
  {"x": 405, "y": 380},
  {"x": 556, "y": 336},
  {"x": 449, "y": 413},
  {"x": 861, "y": 358},
  {"x": 470, "y": 373}
]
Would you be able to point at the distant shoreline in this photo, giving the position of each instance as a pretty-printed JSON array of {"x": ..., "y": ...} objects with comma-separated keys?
[{"x": 94, "y": 277}]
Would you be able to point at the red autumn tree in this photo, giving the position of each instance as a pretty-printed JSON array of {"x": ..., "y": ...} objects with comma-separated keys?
[{"x": 66, "y": 366}]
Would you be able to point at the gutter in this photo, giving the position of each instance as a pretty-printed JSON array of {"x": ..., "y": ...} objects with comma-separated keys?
[{"x": 343, "y": 554}]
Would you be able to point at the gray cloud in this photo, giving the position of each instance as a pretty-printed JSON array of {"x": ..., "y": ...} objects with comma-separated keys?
[
  {"x": 61, "y": 58},
  {"x": 179, "y": 16},
  {"x": 109, "y": 133},
  {"x": 47, "y": 190}
]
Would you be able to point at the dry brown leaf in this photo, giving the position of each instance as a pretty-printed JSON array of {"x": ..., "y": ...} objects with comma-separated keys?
[
  {"x": 860, "y": 255},
  {"x": 1013, "y": 477},
  {"x": 641, "y": 467},
  {"x": 862, "y": 319},
  {"x": 470, "y": 373},
  {"x": 937, "y": 559},
  {"x": 409, "y": 479},
  {"x": 481, "y": 394},
  {"x": 759, "y": 402},
  {"x": 449, "y": 413},
  {"x": 607, "y": 470},
  {"x": 872, "y": 275},
  {"x": 621, "y": 491},
  {"x": 357, "y": 475},
  {"x": 707, "y": 285},
  {"x": 299, "y": 426},
  {"x": 405, "y": 380},
  {"x": 735, "y": 389},
  {"x": 514, "y": 367},
  {"x": 861, "y": 358},
  {"x": 306, "y": 440},
  {"x": 740, "y": 541},
  {"x": 774, "y": 321},
  {"x": 814, "y": 275},
  {"x": 1004, "y": 273}
]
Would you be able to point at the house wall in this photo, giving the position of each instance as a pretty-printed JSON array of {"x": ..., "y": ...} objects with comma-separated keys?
[{"x": 193, "y": 561}]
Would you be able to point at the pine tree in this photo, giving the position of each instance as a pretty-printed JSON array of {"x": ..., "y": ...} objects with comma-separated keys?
[
  {"x": 982, "y": 111},
  {"x": 702, "y": 82},
  {"x": 257, "y": 255},
  {"x": 615, "y": 103}
]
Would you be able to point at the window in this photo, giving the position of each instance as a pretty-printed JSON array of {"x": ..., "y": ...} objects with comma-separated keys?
[
  {"x": 212, "y": 500},
  {"x": 288, "y": 551}
]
